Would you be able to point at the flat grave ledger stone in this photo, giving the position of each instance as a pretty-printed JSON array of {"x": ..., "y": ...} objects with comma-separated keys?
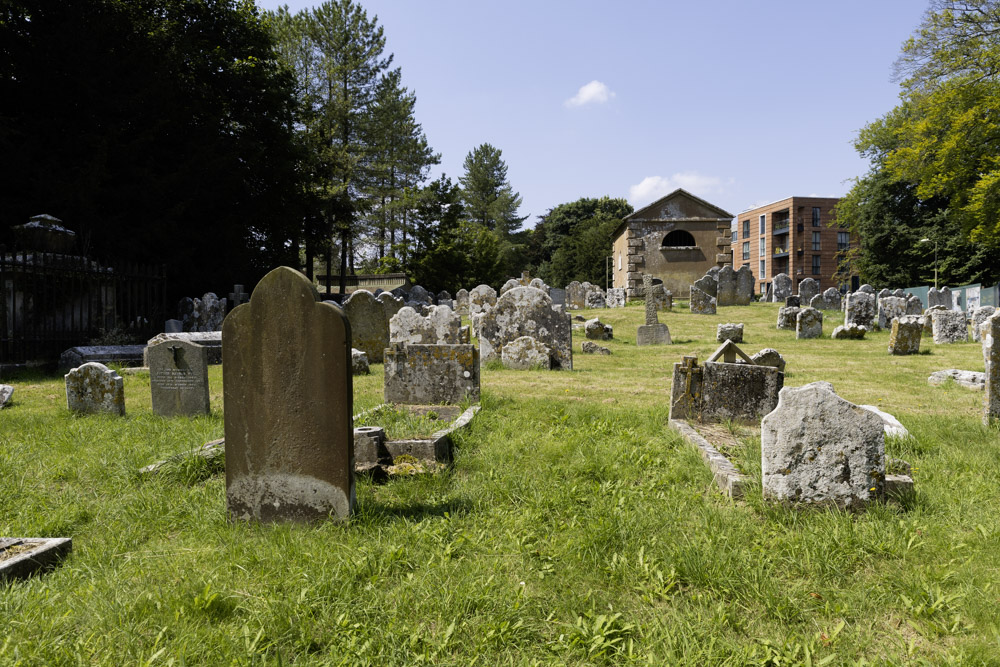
[
  {"x": 417, "y": 374},
  {"x": 288, "y": 391},
  {"x": 178, "y": 378},
  {"x": 809, "y": 323},
  {"x": 653, "y": 332},
  {"x": 905, "y": 335},
  {"x": 94, "y": 388},
  {"x": 526, "y": 311},
  {"x": 21, "y": 557},
  {"x": 369, "y": 324},
  {"x": 968, "y": 379},
  {"x": 949, "y": 326},
  {"x": 126, "y": 355}
]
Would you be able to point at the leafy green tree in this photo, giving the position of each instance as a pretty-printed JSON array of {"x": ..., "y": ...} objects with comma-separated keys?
[
  {"x": 574, "y": 239},
  {"x": 487, "y": 195},
  {"x": 159, "y": 130}
]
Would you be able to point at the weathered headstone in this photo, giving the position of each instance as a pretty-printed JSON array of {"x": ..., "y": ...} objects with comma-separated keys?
[
  {"x": 890, "y": 307},
  {"x": 701, "y": 302},
  {"x": 726, "y": 294},
  {"x": 431, "y": 374},
  {"x": 914, "y": 306},
  {"x": 928, "y": 319},
  {"x": 597, "y": 330},
  {"x": 990, "y": 333},
  {"x": 808, "y": 288},
  {"x": 781, "y": 288},
  {"x": 949, "y": 326},
  {"x": 793, "y": 301},
  {"x": 663, "y": 298},
  {"x": 173, "y": 326},
  {"x": 769, "y": 357},
  {"x": 590, "y": 347},
  {"x": 860, "y": 309},
  {"x": 979, "y": 316},
  {"x": 479, "y": 298},
  {"x": 391, "y": 304},
  {"x": 905, "y": 335},
  {"x": 288, "y": 401},
  {"x": 443, "y": 295},
  {"x": 359, "y": 363},
  {"x": 538, "y": 283},
  {"x": 809, "y": 323},
  {"x": 828, "y": 300},
  {"x": 787, "y": 317},
  {"x": 576, "y": 296},
  {"x": 369, "y": 324},
  {"x": 204, "y": 314},
  {"x": 884, "y": 292},
  {"x": 178, "y": 378},
  {"x": 615, "y": 297},
  {"x": 744, "y": 286},
  {"x": 723, "y": 389},
  {"x": 94, "y": 388},
  {"x": 652, "y": 332},
  {"x": 729, "y": 331},
  {"x": 867, "y": 289},
  {"x": 526, "y": 353},
  {"x": 849, "y": 332},
  {"x": 509, "y": 285},
  {"x": 441, "y": 326},
  {"x": 6, "y": 392},
  {"x": 596, "y": 299},
  {"x": 526, "y": 311},
  {"x": 818, "y": 448},
  {"x": 419, "y": 295},
  {"x": 709, "y": 284},
  {"x": 939, "y": 297},
  {"x": 558, "y": 296},
  {"x": 462, "y": 302}
]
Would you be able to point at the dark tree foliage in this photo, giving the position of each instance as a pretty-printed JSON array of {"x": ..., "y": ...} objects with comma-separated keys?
[
  {"x": 572, "y": 241},
  {"x": 159, "y": 130}
]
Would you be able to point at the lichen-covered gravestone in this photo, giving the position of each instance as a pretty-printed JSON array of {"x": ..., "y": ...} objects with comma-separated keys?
[
  {"x": 204, "y": 314},
  {"x": 726, "y": 291},
  {"x": 818, "y": 448},
  {"x": 828, "y": 300},
  {"x": 441, "y": 326},
  {"x": 793, "y": 301},
  {"x": 178, "y": 378},
  {"x": 722, "y": 388},
  {"x": 744, "y": 286},
  {"x": 480, "y": 298},
  {"x": 526, "y": 353},
  {"x": 781, "y": 288},
  {"x": 418, "y": 374},
  {"x": 787, "y": 317},
  {"x": 808, "y": 288},
  {"x": 369, "y": 324},
  {"x": 288, "y": 394},
  {"x": 94, "y": 388},
  {"x": 701, "y": 302},
  {"x": 860, "y": 309},
  {"x": 905, "y": 335},
  {"x": 729, "y": 331},
  {"x": 597, "y": 330},
  {"x": 979, "y": 316},
  {"x": 596, "y": 298},
  {"x": 509, "y": 285},
  {"x": 809, "y": 323},
  {"x": 890, "y": 307},
  {"x": 769, "y": 357},
  {"x": 949, "y": 326},
  {"x": 990, "y": 332},
  {"x": 652, "y": 332},
  {"x": 526, "y": 311},
  {"x": 6, "y": 392},
  {"x": 615, "y": 297},
  {"x": 576, "y": 295}
]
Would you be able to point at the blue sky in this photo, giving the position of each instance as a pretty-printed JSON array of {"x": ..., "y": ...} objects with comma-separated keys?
[{"x": 741, "y": 103}]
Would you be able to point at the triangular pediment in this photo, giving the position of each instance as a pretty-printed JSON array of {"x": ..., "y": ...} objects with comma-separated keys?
[{"x": 679, "y": 205}]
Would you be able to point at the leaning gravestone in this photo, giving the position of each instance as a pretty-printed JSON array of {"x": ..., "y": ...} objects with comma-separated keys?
[
  {"x": 809, "y": 323},
  {"x": 949, "y": 326},
  {"x": 526, "y": 311},
  {"x": 744, "y": 286},
  {"x": 905, "y": 335},
  {"x": 979, "y": 316},
  {"x": 890, "y": 307},
  {"x": 178, "y": 378},
  {"x": 369, "y": 324},
  {"x": 781, "y": 288},
  {"x": 288, "y": 401},
  {"x": 94, "y": 388},
  {"x": 860, "y": 309},
  {"x": 990, "y": 332},
  {"x": 818, "y": 448},
  {"x": 808, "y": 288},
  {"x": 726, "y": 293},
  {"x": 653, "y": 332},
  {"x": 709, "y": 284}
]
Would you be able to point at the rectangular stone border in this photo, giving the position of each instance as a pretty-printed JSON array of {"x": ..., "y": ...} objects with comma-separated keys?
[
  {"x": 46, "y": 552},
  {"x": 435, "y": 448},
  {"x": 729, "y": 480}
]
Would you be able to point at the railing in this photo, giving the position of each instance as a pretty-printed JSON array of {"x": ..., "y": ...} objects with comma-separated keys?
[
  {"x": 780, "y": 226},
  {"x": 50, "y": 302}
]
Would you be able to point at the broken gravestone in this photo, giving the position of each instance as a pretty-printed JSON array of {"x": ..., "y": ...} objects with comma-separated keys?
[
  {"x": 905, "y": 335},
  {"x": 849, "y": 332},
  {"x": 417, "y": 374},
  {"x": 597, "y": 330},
  {"x": 94, "y": 388},
  {"x": 590, "y": 347},
  {"x": 288, "y": 399},
  {"x": 701, "y": 302},
  {"x": 652, "y": 332},
  {"x": 729, "y": 331},
  {"x": 526, "y": 353},
  {"x": 526, "y": 311},
  {"x": 178, "y": 378},
  {"x": 818, "y": 448}
]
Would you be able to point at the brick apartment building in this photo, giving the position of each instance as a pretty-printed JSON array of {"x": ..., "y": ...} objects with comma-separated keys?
[{"x": 792, "y": 236}]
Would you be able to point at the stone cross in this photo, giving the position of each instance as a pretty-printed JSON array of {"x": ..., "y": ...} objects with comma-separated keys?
[
  {"x": 238, "y": 296},
  {"x": 647, "y": 287}
]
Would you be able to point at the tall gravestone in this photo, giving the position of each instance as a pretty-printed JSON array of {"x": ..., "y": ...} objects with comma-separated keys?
[
  {"x": 781, "y": 288},
  {"x": 288, "y": 401},
  {"x": 653, "y": 332},
  {"x": 93, "y": 388},
  {"x": 369, "y": 324},
  {"x": 861, "y": 309},
  {"x": 726, "y": 291},
  {"x": 744, "y": 286},
  {"x": 808, "y": 288},
  {"x": 979, "y": 316},
  {"x": 905, "y": 335},
  {"x": 178, "y": 378}
]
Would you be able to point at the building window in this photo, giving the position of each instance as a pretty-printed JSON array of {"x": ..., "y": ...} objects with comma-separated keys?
[
  {"x": 763, "y": 267},
  {"x": 746, "y": 250},
  {"x": 746, "y": 229},
  {"x": 734, "y": 236},
  {"x": 843, "y": 241},
  {"x": 678, "y": 239},
  {"x": 815, "y": 265},
  {"x": 816, "y": 240},
  {"x": 619, "y": 261},
  {"x": 815, "y": 216},
  {"x": 762, "y": 247},
  {"x": 763, "y": 224}
]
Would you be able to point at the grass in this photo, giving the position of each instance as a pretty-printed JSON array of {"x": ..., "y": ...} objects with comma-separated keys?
[{"x": 574, "y": 528}]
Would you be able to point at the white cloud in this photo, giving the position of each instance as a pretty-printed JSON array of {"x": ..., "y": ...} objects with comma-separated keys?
[
  {"x": 594, "y": 92},
  {"x": 652, "y": 188}
]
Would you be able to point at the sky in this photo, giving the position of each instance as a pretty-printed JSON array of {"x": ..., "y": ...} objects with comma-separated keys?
[{"x": 741, "y": 103}]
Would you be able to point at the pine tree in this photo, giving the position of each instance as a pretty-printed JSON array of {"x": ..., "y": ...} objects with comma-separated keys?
[{"x": 488, "y": 197}]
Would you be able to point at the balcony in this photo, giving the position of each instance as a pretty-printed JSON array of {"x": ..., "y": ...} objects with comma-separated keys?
[
  {"x": 780, "y": 227},
  {"x": 780, "y": 252}
]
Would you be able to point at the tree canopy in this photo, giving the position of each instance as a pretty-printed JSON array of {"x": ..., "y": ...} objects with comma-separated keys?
[{"x": 487, "y": 195}]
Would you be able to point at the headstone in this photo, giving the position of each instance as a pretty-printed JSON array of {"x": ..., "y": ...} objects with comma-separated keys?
[
  {"x": 526, "y": 311},
  {"x": 663, "y": 298},
  {"x": 509, "y": 285},
  {"x": 597, "y": 330},
  {"x": 94, "y": 388},
  {"x": 867, "y": 289},
  {"x": 849, "y": 332},
  {"x": 928, "y": 319},
  {"x": 173, "y": 326},
  {"x": 596, "y": 299},
  {"x": 769, "y": 357},
  {"x": 178, "y": 378},
  {"x": 793, "y": 301},
  {"x": 890, "y": 425},
  {"x": 744, "y": 286},
  {"x": 968, "y": 379},
  {"x": 441, "y": 326},
  {"x": 818, "y": 448},
  {"x": 590, "y": 347},
  {"x": 558, "y": 296},
  {"x": 787, "y": 317},
  {"x": 462, "y": 302},
  {"x": 914, "y": 306},
  {"x": 860, "y": 309},
  {"x": 204, "y": 314},
  {"x": 890, "y": 307},
  {"x": 882, "y": 293},
  {"x": 781, "y": 288},
  {"x": 288, "y": 400},
  {"x": 708, "y": 284},
  {"x": 210, "y": 340},
  {"x": 726, "y": 294},
  {"x": 652, "y": 332},
  {"x": 990, "y": 333},
  {"x": 576, "y": 296},
  {"x": 417, "y": 374},
  {"x": 6, "y": 392},
  {"x": 905, "y": 335},
  {"x": 479, "y": 298},
  {"x": 729, "y": 331},
  {"x": 939, "y": 297},
  {"x": 979, "y": 316},
  {"x": 391, "y": 304},
  {"x": 701, "y": 302},
  {"x": 949, "y": 326},
  {"x": 419, "y": 295},
  {"x": 828, "y": 300},
  {"x": 615, "y": 297},
  {"x": 809, "y": 323},
  {"x": 443, "y": 295},
  {"x": 808, "y": 288},
  {"x": 900, "y": 293},
  {"x": 538, "y": 283},
  {"x": 359, "y": 363},
  {"x": 526, "y": 353},
  {"x": 369, "y": 324}
]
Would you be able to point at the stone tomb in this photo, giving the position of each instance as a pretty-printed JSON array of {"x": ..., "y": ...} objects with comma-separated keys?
[
  {"x": 418, "y": 374},
  {"x": 526, "y": 311},
  {"x": 288, "y": 393},
  {"x": 95, "y": 389},
  {"x": 723, "y": 388},
  {"x": 652, "y": 332},
  {"x": 178, "y": 378},
  {"x": 905, "y": 335}
]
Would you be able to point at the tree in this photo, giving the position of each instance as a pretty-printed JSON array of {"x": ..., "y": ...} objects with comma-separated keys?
[
  {"x": 160, "y": 130},
  {"x": 574, "y": 239},
  {"x": 488, "y": 197}
]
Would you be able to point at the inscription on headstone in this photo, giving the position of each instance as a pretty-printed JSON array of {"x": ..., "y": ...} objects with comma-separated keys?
[{"x": 178, "y": 378}]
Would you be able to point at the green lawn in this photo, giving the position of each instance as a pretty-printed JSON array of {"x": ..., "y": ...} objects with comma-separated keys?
[{"x": 574, "y": 528}]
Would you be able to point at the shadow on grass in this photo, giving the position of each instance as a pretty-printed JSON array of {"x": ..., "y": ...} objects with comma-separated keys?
[{"x": 377, "y": 512}]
